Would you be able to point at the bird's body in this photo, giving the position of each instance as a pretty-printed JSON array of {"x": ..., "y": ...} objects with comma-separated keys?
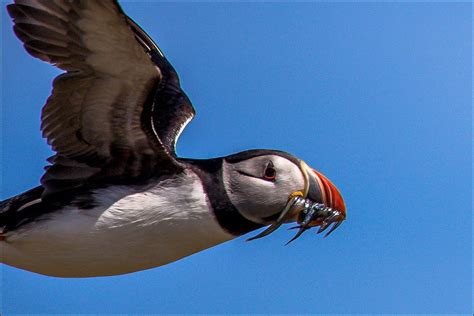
[
  {"x": 116, "y": 198},
  {"x": 131, "y": 228}
]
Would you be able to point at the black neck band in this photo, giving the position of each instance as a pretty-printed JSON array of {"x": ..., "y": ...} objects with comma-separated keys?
[{"x": 229, "y": 218}]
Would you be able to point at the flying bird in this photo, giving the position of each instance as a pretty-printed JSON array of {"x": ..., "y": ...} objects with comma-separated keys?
[{"x": 115, "y": 198}]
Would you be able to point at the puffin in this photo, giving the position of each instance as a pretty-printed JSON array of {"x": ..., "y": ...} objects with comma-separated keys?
[{"x": 115, "y": 198}]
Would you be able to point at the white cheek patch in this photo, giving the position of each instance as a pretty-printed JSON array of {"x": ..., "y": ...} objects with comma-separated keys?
[{"x": 256, "y": 198}]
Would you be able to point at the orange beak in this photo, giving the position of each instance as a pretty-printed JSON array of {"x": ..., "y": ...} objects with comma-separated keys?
[{"x": 331, "y": 196}]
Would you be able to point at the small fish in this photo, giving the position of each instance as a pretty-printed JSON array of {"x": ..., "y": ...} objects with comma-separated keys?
[{"x": 309, "y": 214}]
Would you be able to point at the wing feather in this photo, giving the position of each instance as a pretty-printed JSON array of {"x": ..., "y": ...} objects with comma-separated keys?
[{"x": 94, "y": 118}]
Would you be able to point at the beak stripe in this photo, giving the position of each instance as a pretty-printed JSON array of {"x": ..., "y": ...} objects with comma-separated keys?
[
  {"x": 304, "y": 167},
  {"x": 324, "y": 190},
  {"x": 334, "y": 197}
]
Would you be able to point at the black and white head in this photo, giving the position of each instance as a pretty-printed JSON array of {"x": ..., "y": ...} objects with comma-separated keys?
[{"x": 273, "y": 187}]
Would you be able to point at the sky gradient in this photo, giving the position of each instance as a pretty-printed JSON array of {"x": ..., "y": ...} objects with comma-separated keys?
[{"x": 377, "y": 96}]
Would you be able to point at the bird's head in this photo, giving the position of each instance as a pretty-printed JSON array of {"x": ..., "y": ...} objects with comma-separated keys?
[{"x": 273, "y": 187}]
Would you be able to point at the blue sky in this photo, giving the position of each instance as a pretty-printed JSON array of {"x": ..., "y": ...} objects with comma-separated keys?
[{"x": 377, "y": 96}]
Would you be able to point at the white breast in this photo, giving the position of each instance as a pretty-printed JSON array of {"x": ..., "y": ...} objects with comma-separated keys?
[{"x": 133, "y": 229}]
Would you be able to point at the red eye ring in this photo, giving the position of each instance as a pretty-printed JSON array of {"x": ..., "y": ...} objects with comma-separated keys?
[{"x": 269, "y": 173}]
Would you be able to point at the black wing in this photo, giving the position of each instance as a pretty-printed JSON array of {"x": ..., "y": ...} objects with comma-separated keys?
[{"x": 118, "y": 109}]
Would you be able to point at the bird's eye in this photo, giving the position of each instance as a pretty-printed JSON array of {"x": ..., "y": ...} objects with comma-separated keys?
[{"x": 270, "y": 172}]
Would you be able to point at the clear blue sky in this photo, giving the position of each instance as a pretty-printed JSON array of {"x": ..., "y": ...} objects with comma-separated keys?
[{"x": 377, "y": 96}]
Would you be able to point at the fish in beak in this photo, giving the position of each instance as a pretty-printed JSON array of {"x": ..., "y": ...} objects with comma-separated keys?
[{"x": 319, "y": 203}]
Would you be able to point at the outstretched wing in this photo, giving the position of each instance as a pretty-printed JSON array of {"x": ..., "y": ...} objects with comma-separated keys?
[{"x": 118, "y": 109}]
